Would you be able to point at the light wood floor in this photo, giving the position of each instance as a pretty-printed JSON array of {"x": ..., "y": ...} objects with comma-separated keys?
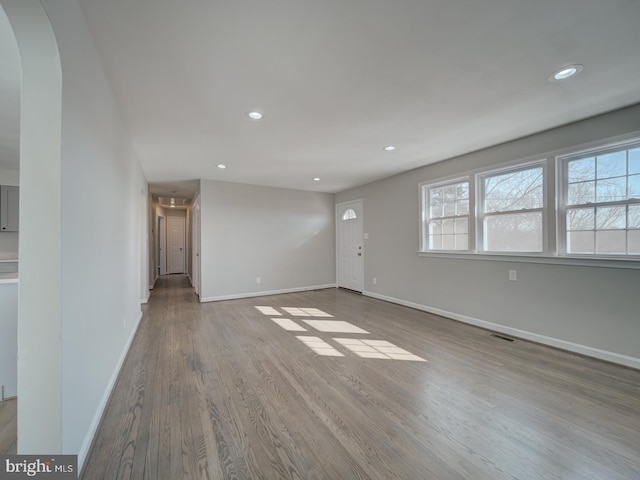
[
  {"x": 219, "y": 390},
  {"x": 8, "y": 427}
]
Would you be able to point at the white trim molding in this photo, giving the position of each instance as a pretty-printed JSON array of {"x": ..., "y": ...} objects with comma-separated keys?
[
  {"x": 97, "y": 418},
  {"x": 145, "y": 299},
  {"x": 576, "y": 261},
  {"x": 522, "y": 334},
  {"x": 266, "y": 293}
]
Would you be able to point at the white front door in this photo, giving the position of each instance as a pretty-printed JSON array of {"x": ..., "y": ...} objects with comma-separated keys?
[
  {"x": 175, "y": 240},
  {"x": 350, "y": 247}
]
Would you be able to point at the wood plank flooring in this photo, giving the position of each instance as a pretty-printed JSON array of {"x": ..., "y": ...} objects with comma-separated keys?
[
  {"x": 220, "y": 391},
  {"x": 8, "y": 427}
]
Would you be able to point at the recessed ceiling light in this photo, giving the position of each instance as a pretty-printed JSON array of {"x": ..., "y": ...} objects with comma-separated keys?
[
  {"x": 255, "y": 115},
  {"x": 565, "y": 73},
  {"x": 316, "y": 179},
  {"x": 222, "y": 167},
  {"x": 389, "y": 148}
]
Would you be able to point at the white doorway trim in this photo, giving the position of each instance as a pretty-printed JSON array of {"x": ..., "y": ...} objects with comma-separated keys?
[
  {"x": 162, "y": 245},
  {"x": 195, "y": 239},
  {"x": 350, "y": 245}
]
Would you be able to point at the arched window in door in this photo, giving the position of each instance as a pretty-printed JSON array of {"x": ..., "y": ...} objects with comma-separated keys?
[{"x": 349, "y": 214}]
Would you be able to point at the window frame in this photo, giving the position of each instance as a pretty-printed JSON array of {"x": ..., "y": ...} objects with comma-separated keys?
[
  {"x": 481, "y": 214},
  {"x": 562, "y": 195},
  {"x": 554, "y": 215},
  {"x": 425, "y": 207}
]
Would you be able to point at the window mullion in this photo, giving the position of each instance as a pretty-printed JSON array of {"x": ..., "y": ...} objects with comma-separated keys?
[{"x": 521, "y": 210}]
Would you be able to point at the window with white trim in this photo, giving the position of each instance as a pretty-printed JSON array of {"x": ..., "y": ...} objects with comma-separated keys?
[
  {"x": 509, "y": 210},
  {"x": 600, "y": 211},
  {"x": 447, "y": 223},
  {"x": 511, "y": 214}
]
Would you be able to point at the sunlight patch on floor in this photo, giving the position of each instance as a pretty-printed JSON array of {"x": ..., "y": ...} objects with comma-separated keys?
[
  {"x": 363, "y": 348},
  {"x": 334, "y": 326},
  {"x": 319, "y": 346},
  {"x": 289, "y": 325},
  {"x": 306, "y": 312},
  {"x": 377, "y": 349},
  {"x": 268, "y": 310}
]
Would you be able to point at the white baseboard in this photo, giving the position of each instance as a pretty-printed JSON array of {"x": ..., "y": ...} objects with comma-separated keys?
[
  {"x": 265, "y": 293},
  {"x": 534, "y": 337},
  {"x": 97, "y": 418},
  {"x": 146, "y": 299},
  {"x": 190, "y": 281}
]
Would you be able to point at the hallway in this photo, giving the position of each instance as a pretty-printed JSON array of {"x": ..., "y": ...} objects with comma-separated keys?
[{"x": 331, "y": 385}]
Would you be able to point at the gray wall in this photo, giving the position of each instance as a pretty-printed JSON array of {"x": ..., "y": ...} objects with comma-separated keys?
[
  {"x": 82, "y": 241},
  {"x": 104, "y": 191},
  {"x": 286, "y": 237},
  {"x": 588, "y": 309}
]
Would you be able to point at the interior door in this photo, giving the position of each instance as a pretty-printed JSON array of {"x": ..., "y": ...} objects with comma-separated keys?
[
  {"x": 9, "y": 199},
  {"x": 175, "y": 244},
  {"x": 350, "y": 246}
]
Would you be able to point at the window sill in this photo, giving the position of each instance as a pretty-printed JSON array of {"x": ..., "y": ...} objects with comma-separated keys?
[{"x": 601, "y": 262}]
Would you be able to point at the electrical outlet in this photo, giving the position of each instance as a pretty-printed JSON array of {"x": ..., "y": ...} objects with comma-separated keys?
[
  {"x": 258, "y": 280},
  {"x": 375, "y": 280},
  {"x": 513, "y": 275}
]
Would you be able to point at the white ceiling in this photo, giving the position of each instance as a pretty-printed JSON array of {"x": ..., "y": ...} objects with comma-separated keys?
[{"x": 338, "y": 80}]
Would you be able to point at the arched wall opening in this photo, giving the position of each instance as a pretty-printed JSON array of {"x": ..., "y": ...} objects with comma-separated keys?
[{"x": 39, "y": 305}]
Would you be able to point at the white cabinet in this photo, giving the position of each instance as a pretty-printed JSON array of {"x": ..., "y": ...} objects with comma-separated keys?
[{"x": 9, "y": 208}]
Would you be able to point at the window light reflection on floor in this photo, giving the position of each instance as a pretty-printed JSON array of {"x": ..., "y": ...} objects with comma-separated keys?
[
  {"x": 335, "y": 326},
  {"x": 268, "y": 310},
  {"x": 306, "y": 312},
  {"x": 289, "y": 325},
  {"x": 319, "y": 346},
  {"x": 377, "y": 349},
  {"x": 363, "y": 348}
]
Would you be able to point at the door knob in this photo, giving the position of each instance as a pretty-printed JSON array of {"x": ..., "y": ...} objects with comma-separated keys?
[{"x": 359, "y": 254}]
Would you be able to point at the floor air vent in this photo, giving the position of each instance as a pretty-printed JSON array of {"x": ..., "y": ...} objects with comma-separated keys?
[{"x": 502, "y": 337}]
